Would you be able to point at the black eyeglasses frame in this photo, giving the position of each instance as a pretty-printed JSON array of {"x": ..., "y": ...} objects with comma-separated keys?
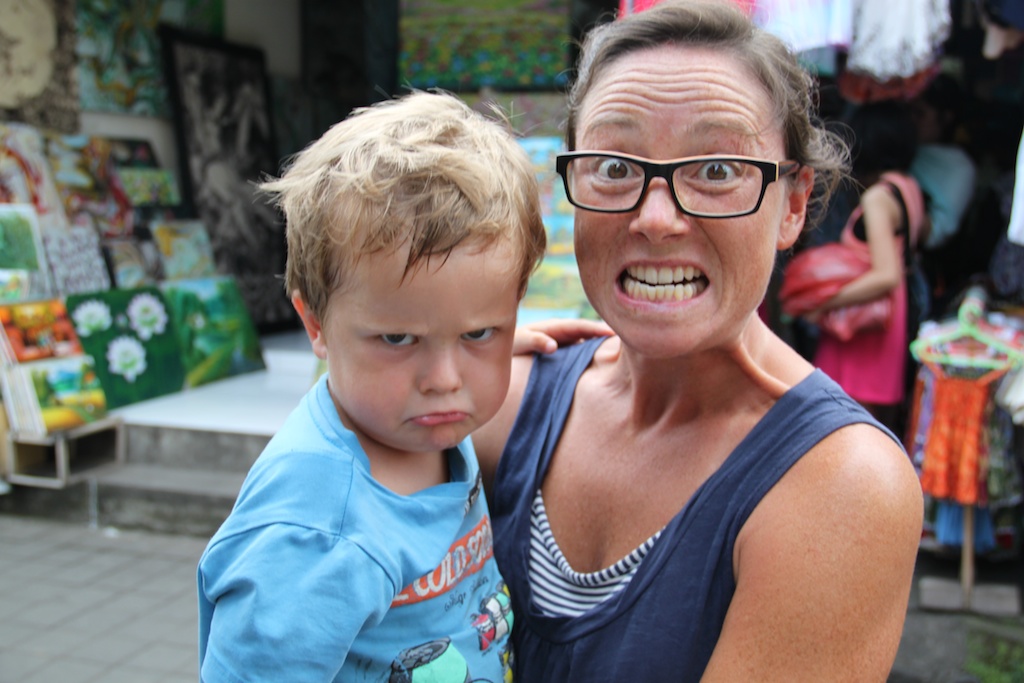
[{"x": 771, "y": 171}]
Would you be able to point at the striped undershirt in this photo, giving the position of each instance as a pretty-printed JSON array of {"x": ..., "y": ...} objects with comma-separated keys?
[{"x": 560, "y": 591}]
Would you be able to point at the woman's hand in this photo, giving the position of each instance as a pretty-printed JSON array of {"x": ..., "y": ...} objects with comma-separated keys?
[{"x": 547, "y": 335}]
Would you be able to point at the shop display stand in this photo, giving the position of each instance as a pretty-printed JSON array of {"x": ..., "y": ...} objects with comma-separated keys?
[
  {"x": 66, "y": 457},
  {"x": 964, "y": 595}
]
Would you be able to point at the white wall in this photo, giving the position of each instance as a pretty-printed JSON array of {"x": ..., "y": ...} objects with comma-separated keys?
[{"x": 272, "y": 25}]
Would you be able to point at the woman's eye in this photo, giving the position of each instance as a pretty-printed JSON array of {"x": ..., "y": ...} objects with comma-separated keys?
[
  {"x": 717, "y": 171},
  {"x": 479, "y": 335},
  {"x": 613, "y": 169},
  {"x": 397, "y": 339}
]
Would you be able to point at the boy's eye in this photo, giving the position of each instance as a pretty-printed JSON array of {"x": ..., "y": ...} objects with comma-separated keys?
[
  {"x": 479, "y": 335},
  {"x": 397, "y": 339}
]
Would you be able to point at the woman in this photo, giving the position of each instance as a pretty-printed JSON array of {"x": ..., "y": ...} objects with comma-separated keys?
[
  {"x": 689, "y": 499},
  {"x": 874, "y": 366}
]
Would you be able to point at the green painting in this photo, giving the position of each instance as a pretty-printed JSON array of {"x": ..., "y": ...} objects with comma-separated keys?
[
  {"x": 216, "y": 334},
  {"x": 130, "y": 334}
]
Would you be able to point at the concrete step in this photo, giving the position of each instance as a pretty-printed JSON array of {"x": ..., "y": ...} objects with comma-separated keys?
[
  {"x": 192, "y": 449},
  {"x": 184, "y": 456},
  {"x": 136, "y": 496}
]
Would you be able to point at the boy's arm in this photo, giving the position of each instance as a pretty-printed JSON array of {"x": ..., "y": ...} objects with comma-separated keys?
[{"x": 285, "y": 603}]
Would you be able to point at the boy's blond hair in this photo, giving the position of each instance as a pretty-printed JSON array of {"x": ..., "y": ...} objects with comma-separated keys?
[{"x": 423, "y": 170}]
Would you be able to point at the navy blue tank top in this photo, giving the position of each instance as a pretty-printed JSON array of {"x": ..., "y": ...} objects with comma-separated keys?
[{"x": 664, "y": 624}]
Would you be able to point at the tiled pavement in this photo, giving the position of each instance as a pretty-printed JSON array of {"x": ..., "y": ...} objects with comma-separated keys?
[
  {"x": 81, "y": 605},
  {"x": 84, "y": 605}
]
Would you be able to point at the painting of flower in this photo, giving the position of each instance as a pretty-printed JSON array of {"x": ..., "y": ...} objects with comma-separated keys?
[
  {"x": 126, "y": 357},
  {"x": 91, "y": 316},
  {"x": 131, "y": 336},
  {"x": 147, "y": 315}
]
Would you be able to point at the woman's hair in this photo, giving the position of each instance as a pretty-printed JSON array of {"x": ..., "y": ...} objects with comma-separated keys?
[
  {"x": 882, "y": 138},
  {"x": 423, "y": 170},
  {"x": 720, "y": 25}
]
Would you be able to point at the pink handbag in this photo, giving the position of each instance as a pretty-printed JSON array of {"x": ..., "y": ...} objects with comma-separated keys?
[{"x": 815, "y": 275}]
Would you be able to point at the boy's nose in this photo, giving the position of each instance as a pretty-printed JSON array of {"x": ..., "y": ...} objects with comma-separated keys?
[{"x": 441, "y": 373}]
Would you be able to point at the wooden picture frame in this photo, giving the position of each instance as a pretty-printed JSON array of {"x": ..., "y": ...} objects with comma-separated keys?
[{"x": 223, "y": 118}]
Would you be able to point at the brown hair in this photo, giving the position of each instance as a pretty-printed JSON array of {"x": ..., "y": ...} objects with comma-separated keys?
[{"x": 720, "y": 25}]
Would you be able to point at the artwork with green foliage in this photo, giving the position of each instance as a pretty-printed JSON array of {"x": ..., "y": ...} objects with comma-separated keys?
[{"x": 216, "y": 334}]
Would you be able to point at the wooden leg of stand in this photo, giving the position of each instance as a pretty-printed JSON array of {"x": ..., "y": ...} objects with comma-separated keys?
[{"x": 967, "y": 556}]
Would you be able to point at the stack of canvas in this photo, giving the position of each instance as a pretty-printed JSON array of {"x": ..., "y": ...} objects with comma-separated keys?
[{"x": 49, "y": 384}]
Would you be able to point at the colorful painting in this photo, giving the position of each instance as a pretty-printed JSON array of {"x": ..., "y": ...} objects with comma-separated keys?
[
  {"x": 129, "y": 264},
  {"x": 66, "y": 392},
  {"x": 149, "y": 186},
  {"x": 26, "y": 177},
  {"x": 83, "y": 170},
  {"x": 23, "y": 269},
  {"x": 185, "y": 249},
  {"x": 503, "y": 44},
  {"x": 554, "y": 290},
  {"x": 39, "y": 85},
  {"x": 76, "y": 261},
  {"x": 130, "y": 334},
  {"x": 215, "y": 331},
  {"x": 15, "y": 285},
  {"x": 118, "y": 50},
  {"x": 36, "y": 330}
]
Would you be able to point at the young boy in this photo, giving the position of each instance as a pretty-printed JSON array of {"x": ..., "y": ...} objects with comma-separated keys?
[{"x": 360, "y": 545}]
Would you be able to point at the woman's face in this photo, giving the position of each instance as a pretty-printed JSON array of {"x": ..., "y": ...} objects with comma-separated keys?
[{"x": 665, "y": 103}]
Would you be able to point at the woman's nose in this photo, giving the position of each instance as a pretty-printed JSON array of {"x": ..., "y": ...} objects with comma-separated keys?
[{"x": 658, "y": 216}]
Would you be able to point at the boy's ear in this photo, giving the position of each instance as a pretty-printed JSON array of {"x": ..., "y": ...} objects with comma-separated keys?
[{"x": 314, "y": 330}]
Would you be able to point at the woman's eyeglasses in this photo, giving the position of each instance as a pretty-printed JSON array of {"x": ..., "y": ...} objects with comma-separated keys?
[{"x": 706, "y": 186}]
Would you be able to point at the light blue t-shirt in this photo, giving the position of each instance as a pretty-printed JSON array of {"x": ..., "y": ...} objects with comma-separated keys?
[
  {"x": 946, "y": 175},
  {"x": 322, "y": 574}
]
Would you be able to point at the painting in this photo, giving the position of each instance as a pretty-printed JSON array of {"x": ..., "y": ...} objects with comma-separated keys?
[
  {"x": 39, "y": 86},
  {"x": 23, "y": 266},
  {"x": 215, "y": 330},
  {"x": 223, "y": 120},
  {"x": 118, "y": 50},
  {"x": 500, "y": 44},
  {"x": 84, "y": 172},
  {"x": 132, "y": 338},
  {"x": 26, "y": 176},
  {"x": 554, "y": 289}
]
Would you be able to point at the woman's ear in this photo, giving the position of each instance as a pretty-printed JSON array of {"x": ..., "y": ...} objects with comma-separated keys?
[
  {"x": 314, "y": 330},
  {"x": 796, "y": 208}
]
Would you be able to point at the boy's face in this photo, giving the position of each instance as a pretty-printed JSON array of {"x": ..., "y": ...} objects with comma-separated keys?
[{"x": 416, "y": 365}]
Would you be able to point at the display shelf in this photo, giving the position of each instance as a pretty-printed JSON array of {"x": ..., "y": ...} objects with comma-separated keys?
[{"x": 66, "y": 457}]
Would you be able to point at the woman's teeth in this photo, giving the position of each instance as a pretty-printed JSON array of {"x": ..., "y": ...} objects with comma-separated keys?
[{"x": 663, "y": 284}]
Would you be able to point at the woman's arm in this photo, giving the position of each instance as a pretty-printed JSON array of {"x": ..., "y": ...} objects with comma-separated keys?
[
  {"x": 882, "y": 218},
  {"x": 824, "y": 567}
]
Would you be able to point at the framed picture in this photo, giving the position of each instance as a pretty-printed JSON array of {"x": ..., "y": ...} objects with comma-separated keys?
[
  {"x": 223, "y": 117},
  {"x": 501, "y": 44}
]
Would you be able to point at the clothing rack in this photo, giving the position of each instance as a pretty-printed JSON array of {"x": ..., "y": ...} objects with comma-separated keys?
[{"x": 968, "y": 341}]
